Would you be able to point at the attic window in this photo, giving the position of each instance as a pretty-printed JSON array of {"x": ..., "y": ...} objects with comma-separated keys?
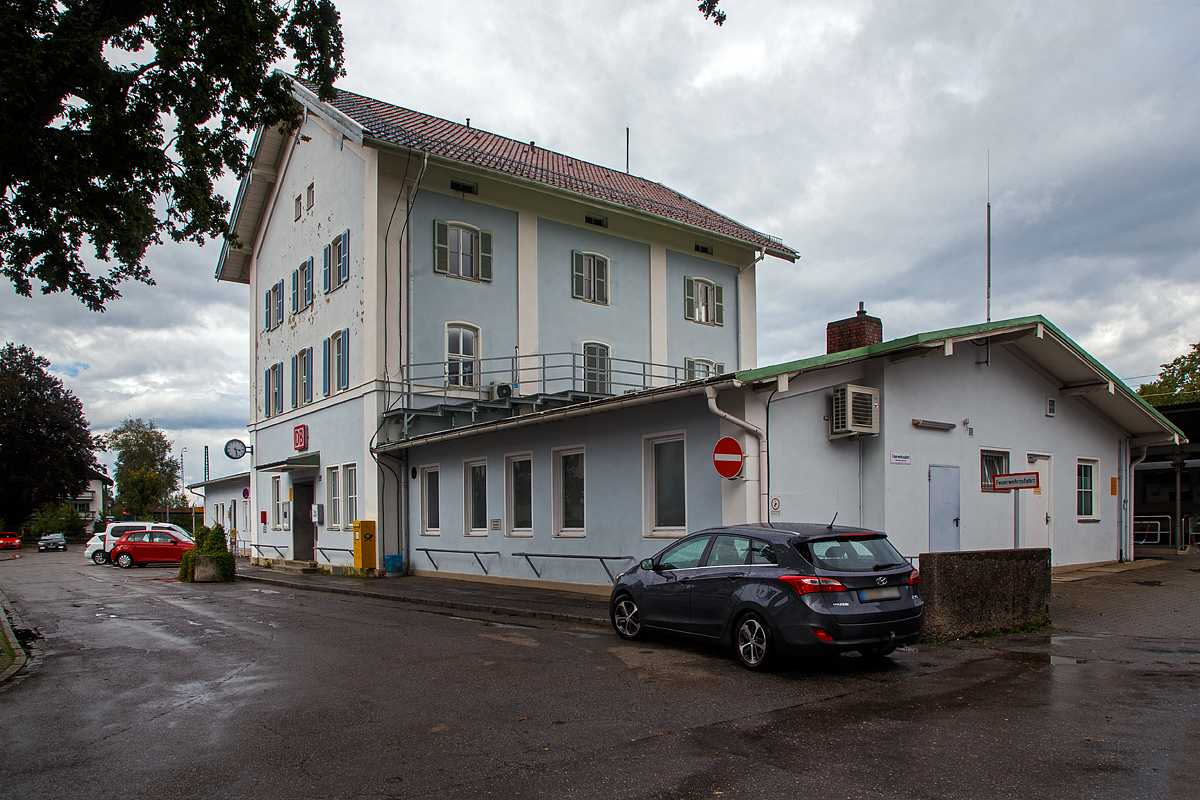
[
  {"x": 704, "y": 248},
  {"x": 591, "y": 219},
  {"x": 464, "y": 187}
]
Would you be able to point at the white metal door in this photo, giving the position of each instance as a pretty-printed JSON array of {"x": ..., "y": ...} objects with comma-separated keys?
[
  {"x": 1039, "y": 514},
  {"x": 944, "y": 517}
]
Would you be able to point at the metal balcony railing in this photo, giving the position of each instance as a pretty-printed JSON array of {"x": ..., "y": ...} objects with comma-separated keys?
[{"x": 463, "y": 380}]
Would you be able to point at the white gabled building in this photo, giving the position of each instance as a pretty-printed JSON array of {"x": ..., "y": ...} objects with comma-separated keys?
[{"x": 410, "y": 274}]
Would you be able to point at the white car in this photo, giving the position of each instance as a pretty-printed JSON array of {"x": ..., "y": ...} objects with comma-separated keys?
[{"x": 98, "y": 546}]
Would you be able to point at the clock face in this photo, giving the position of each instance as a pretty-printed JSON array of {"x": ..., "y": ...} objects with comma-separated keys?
[{"x": 235, "y": 448}]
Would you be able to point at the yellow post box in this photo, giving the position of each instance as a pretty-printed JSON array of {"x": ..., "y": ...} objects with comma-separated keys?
[{"x": 364, "y": 543}]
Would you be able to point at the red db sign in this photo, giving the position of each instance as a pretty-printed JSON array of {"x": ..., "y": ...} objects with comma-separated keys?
[
  {"x": 728, "y": 457},
  {"x": 300, "y": 437}
]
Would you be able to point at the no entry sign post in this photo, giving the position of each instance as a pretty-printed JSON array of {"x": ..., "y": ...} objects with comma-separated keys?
[
  {"x": 728, "y": 457},
  {"x": 1015, "y": 482}
]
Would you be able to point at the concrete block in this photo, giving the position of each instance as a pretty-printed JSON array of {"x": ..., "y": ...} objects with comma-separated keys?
[{"x": 973, "y": 592}]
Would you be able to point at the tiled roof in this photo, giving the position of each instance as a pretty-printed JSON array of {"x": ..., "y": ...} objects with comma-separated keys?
[{"x": 473, "y": 146}]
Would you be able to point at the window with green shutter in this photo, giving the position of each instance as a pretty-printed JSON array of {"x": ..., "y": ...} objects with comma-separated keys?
[
  {"x": 703, "y": 301},
  {"x": 462, "y": 251},
  {"x": 589, "y": 277}
]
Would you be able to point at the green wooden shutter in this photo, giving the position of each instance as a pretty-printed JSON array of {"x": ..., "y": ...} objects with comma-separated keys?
[
  {"x": 325, "y": 367},
  {"x": 344, "y": 267},
  {"x": 719, "y": 369},
  {"x": 441, "y": 247},
  {"x": 689, "y": 298},
  {"x": 719, "y": 305},
  {"x": 485, "y": 255},
  {"x": 266, "y": 392},
  {"x": 267, "y": 311},
  {"x": 295, "y": 378},
  {"x": 344, "y": 377},
  {"x": 689, "y": 369},
  {"x": 308, "y": 283},
  {"x": 601, "y": 272},
  {"x": 295, "y": 290},
  {"x": 577, "y": 274}
]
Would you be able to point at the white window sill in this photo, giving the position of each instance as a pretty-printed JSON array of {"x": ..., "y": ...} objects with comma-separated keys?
[
  {"x": 571, "y": 534},
  {"x": 437, "y": 532},
  {"x": 520, "y": 534},
  {"x": 1087, "y": 520},
  {"x": 666, "y": 533},
  {"x": 477, "y": 533}
]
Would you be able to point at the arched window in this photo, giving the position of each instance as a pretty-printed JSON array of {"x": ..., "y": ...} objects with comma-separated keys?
[
  {"x": 595, "y": 368},
  {"x": 462, "y": 354}
]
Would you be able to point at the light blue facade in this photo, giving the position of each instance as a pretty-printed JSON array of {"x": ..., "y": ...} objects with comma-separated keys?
[
  {"x": 567, "y": 322},
  {"x": 437, "y": 299},
  {"x": 688, "y": 339},
  {"x": 615, "y": 493}
]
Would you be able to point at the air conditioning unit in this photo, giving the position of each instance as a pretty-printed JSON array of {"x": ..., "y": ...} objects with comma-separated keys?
[
  {"x": 855, "y": 411},
  {"x": 501, "y": 391}
]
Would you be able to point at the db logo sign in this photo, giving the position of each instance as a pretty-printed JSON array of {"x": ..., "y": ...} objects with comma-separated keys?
[{"x": 300, "y": 437}]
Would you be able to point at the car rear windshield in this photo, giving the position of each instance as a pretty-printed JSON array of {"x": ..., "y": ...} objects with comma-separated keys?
[{"x": 852, "y": 554}]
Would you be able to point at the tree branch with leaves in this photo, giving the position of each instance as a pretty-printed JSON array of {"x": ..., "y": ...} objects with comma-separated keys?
[{"x": 1179, "y": 381}]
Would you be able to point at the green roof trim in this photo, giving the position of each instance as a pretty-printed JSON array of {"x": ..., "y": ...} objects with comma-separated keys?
[{"x": 964, "y": 332}]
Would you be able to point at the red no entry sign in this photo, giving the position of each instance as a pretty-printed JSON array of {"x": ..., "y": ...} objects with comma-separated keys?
[{"x": 728, "y": 457}]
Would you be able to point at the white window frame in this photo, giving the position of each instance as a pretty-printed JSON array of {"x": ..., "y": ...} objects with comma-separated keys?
[
  {"x": 454, "y": 266},
  {"x": 985, "y": 485},
  {"x": 333, "y": 498},
  {"x": 423, "y": 487},
  {"x": 556, "y": 459},
  {"x": 594, "y": 386},
  {"x": 276, "y": 503},
  {"x": 468, "y": 466},
  {"x": 510, "y": 496},
  {"x": 309, "y": 195},
  {"x": 350, "y": 490},
  {"x": 649, "y": 498},
  {"x": 469, "y": 378},
  {"x": 703, "y": 301},
  {"x": 1094, "y": 497},
  {"x": 277, "y": 387},
  {"x": 692, "y": 368}
]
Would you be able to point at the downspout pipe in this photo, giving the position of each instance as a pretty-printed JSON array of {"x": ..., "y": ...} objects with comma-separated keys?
[
  {"x": 1128, "y": 498},
  {"x": 756, "y": 477}
]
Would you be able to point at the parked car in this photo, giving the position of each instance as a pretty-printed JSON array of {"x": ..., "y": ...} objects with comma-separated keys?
[
  {"x": 98, "y": 546},
  {"x": 10, "y": 541},
  {"x": 52, "y": 541},
  {"x": 138, "y": 548},
  {"x": 777, "y": 590}
]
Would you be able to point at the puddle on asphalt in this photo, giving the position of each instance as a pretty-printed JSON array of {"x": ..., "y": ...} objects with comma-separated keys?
[{"x": 1043, "y": 658}]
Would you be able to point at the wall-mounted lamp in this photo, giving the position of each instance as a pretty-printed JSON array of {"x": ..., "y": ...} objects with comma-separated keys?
[{"x": 933, "y": 425}]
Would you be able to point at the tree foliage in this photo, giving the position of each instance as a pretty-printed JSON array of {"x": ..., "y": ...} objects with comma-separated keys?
[
  {"x": 58, "y": 518},
  {"x": 90, "y": 88},
  {"x": 146, "y": 472},
  {"x": 709, "y": 9},
  {"x": 47, "y": 452},
  {"x": 1179, "y": 381}
]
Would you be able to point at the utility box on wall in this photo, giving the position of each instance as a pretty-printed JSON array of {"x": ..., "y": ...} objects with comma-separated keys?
[{"x": 364, "y": 544}]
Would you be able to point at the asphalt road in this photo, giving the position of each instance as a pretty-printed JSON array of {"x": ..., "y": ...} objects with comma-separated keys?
[{"x": 150, "y": 688}]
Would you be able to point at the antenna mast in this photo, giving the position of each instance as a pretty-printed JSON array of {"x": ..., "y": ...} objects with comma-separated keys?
[{"x": 989, "y": 235}]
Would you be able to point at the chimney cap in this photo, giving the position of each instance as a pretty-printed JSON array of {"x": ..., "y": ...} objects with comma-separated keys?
[{"x": 862, "y": 312}]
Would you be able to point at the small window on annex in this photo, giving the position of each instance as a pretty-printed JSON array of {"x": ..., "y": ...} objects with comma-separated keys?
[
  {"x": 569, "y": 492},
  {"x": 665, "y": 487},
  {"x": 696, "y": 368},
  {"x": 519, "y": 490},
  {"x": 462, "y": 354},
  {"x": 991, "y": 464},
  {"x": 1085, "y": 502},
  {"x": 431, "y": 502},
  {"x": 475, "y": 500}
]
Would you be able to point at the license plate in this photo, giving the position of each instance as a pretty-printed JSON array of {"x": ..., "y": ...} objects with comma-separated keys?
[{"x": 882, "y": 593}]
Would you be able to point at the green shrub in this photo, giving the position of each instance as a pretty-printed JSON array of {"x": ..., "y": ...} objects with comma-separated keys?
[
  {"x": 58, "y": 518},
  {"x": 209, "y": 542}
]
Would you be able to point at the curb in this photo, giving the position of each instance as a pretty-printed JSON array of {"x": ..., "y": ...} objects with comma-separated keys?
[
  {"x": 19, "y": 655},
  {"x": 459, "y": 605}
]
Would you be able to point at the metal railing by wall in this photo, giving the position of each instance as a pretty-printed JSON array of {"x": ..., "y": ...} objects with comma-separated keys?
[
  {"x": 478, "y": 554},
  {"x": 463, "y": 379}
]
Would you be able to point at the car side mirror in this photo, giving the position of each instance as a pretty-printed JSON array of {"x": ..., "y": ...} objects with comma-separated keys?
[{"x": 648, "y": 564}]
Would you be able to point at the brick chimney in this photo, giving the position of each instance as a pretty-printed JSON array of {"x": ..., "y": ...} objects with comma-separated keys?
[{"x": 857, "y": 331}]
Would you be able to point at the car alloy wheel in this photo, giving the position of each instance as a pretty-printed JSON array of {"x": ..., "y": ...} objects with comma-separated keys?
[
  {"x": 753, "y": 642},
  {"x": 626, "y": 619},
  {"x": 124, "y": 561},
  {"x": 98, "y": 557}
]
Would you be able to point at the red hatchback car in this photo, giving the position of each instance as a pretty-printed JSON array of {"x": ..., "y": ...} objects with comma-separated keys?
[
  {"x": 148, "y": 547},
  {"x": 10, "y": 541}
]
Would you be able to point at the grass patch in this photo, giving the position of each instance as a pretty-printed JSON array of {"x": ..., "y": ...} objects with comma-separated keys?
[{"x": 7, "y": 655}]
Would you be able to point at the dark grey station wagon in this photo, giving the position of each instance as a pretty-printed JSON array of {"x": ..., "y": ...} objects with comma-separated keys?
[{"x": 775, "y": 590}]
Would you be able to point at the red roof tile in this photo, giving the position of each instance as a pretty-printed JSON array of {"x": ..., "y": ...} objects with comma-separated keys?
[{"x": 482, "y": 149}]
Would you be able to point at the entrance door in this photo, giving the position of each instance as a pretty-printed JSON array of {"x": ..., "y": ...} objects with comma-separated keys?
[
  {"x": 944, "y": 515},
  {"x": 1039, "y": 515},
  {"x": 303, "y": 539}
]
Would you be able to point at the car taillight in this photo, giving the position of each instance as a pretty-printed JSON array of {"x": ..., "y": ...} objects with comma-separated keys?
[
  {"x": 914, "y": 578},
  {"x": 822, "y": 634},
  {"x": 806, "y": 585}
]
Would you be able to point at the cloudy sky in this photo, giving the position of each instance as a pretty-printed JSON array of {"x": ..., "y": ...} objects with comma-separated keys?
[{"x": 858, "y": 132}]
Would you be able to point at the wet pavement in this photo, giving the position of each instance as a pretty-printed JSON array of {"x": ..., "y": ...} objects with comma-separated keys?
[{"x": 150, "y": 688}]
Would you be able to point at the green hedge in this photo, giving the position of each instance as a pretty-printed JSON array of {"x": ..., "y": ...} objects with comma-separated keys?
[{"x": 209, "y": 542}]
